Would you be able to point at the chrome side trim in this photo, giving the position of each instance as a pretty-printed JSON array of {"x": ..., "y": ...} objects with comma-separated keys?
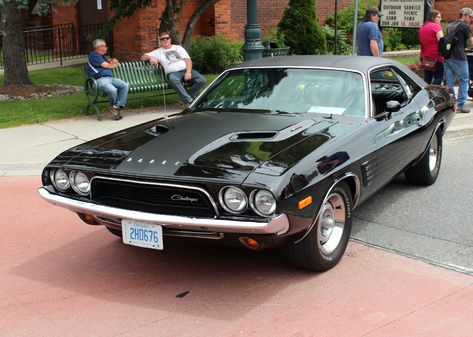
[
  {"x": 137, "y": 182},
  {"x": 277, "y": 225},
  {"x": 356, "y": 198}
]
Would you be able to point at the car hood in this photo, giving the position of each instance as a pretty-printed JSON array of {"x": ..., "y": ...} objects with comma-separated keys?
[{"x": 212, "y": 145}]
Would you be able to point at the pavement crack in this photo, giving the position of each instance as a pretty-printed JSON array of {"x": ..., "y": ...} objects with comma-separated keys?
[{"x": 67, "y": 133}]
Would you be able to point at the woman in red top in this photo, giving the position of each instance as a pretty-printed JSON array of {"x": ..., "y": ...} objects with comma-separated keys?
[{"x": 429, "y": 35}]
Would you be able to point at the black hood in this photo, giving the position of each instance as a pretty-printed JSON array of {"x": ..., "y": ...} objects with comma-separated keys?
[{"x": 226, "y": 145}]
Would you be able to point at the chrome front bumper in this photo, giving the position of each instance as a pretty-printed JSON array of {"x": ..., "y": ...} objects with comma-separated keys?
[{"x": 277, "y": 225}]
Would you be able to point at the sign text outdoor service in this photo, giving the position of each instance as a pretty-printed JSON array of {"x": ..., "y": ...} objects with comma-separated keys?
[{"x": 402, "y": 13}]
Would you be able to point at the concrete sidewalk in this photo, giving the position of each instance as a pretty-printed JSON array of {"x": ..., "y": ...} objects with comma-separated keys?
[{"x": 27, "y": 149}]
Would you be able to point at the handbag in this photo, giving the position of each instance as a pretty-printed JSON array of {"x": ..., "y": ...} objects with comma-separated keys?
[{"x": 429, "y": 64}]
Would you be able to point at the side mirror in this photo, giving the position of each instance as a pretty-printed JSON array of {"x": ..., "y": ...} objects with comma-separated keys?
[{"x": 393, "y": 106}]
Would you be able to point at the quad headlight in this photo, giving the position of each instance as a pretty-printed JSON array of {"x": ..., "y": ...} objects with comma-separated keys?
[
  {"x": 233, "y": 199},
  {"x": 79, "y": 182},
  {"x": 263, "y": 202},
  {"x": 60, "y": 180}
]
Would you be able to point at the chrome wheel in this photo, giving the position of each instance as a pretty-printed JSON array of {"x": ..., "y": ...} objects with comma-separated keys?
[
  {"x": 325, "y": 242},
  {"x": 331, "y": 224},
  {"x": 433, "y": 154}
]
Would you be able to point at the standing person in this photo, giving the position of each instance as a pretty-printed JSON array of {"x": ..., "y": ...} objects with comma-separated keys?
[
  {"x": 368, "y": 36},
  {"x": 100, "y": 68},
  {"x": 429, "y": 35},
  {"x": 177, "y": 65},
  {"x": 457, "y": 64}
]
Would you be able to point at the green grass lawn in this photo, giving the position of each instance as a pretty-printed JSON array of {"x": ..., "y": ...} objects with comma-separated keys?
[{"x": 19, "y": 112}]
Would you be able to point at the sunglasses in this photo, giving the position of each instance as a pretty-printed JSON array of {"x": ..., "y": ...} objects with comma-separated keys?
[{"x": 164, "y": 38}]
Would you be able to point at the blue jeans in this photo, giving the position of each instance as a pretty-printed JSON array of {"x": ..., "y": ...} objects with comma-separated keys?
[
  {"x": 436, "y": 75},
  {"x": 457, "y": 68},
  {"x": 116, "y": 90},
  {"x": 196, "y": 82}
]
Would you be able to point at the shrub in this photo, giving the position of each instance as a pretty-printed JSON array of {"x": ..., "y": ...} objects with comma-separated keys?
[
  {"x": 400, "y": 38},
  {"x": 302, "y": 32},
  {"x": 345, "y": 17},
  {"x": 343, "y": 48},
  {"x": 214, "y": 54},
  {"x": 275, "y": 36}
]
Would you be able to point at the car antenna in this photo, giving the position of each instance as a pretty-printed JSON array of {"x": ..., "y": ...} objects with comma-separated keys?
[{"x": 164, "y": 92}]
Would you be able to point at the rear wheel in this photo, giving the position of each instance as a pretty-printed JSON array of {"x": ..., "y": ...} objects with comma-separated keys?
[
  {"x": 323, "y": 247},
  {"x": 426, "y": 171}
]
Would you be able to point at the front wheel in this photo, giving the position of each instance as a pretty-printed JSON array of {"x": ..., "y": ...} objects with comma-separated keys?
[
  {"x": 323, "y": 247},
  {"x": 426, "y": 171}
]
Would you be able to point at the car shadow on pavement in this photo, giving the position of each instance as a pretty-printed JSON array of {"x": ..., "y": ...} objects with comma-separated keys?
[{"x": 181, "y": 278}]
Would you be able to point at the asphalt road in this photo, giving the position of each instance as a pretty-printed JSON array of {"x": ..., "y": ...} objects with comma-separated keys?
[{"x": 432, "y": 223}]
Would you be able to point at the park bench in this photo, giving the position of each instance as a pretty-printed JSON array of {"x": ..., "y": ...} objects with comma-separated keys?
[{"x": 141, "y": 76}]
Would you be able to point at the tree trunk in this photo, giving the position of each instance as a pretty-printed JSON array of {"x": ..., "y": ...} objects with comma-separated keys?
[
  {"x": 15, "y": 70},
  {"x": 193, "y": 21},
  {"x": 168, "y": 21}
]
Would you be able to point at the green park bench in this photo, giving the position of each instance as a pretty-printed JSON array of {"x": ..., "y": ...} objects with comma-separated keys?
[{"x": 141, "y": 76}]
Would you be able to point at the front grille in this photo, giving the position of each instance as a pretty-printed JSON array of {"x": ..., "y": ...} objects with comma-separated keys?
[{"x": 152, "y": 198}]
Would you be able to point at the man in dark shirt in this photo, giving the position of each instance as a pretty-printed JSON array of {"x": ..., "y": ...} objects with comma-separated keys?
[
  {"x": 100, "y": 68},
  {"x": 368, "y": 36},
  {"x": 457, "y": 64}
]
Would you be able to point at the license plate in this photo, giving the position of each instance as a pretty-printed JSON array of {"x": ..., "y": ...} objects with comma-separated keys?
[{"x": 142, "y": 234}]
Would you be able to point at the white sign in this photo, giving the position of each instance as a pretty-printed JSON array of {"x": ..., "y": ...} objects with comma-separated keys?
[
  {"x": 99, "y": 5},
  {"x": 402, "y": 13}
]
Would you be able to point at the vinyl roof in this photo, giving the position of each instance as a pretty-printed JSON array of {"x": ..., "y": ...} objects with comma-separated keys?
[{"x": 358, "y": 63}]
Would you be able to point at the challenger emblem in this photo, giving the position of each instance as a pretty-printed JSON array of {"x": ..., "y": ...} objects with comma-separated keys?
[{"x": 179, "y": 197}]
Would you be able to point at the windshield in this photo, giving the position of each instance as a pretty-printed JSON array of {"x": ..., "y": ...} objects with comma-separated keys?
[{"x": 287, "y": 90}]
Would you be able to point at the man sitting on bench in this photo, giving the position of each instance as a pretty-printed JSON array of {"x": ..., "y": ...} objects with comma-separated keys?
[
  {"x": 178, "y": 67},
  {"x": 100, "y": 68}
]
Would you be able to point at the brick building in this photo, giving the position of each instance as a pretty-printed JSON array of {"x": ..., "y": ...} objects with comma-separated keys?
[{"x": 133, "y": 36}]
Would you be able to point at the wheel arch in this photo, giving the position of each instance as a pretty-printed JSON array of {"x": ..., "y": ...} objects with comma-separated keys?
[{"x": 353, "y": 183}]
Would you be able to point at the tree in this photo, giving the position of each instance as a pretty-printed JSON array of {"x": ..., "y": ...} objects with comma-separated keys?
[
  {"x": 194, "y": 19},
  {"x": 170, "y": 17},
  {"x": 301, "y": 29},
  {"x": 15, "y": 69}
]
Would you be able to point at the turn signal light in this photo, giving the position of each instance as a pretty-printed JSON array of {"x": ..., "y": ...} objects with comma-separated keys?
[
  {"x": 305, "y": 202},
  {"x": 87, "y": 218},
  {"x": 249, "y": 242}
]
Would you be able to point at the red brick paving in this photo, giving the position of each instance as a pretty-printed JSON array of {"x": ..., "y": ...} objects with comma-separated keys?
[{"x": 61, "y": 277}]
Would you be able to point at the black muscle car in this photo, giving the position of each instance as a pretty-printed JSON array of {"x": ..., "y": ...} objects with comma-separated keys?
[{"x": 276, "y": 152}]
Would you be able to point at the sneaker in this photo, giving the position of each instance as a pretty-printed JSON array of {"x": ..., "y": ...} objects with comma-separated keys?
[
  {"x": 115, "y": 113},
  {"x": 464, "y": 110}
]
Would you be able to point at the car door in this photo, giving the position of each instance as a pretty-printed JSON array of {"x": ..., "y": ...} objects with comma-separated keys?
[{"x": 395, "y": 134}]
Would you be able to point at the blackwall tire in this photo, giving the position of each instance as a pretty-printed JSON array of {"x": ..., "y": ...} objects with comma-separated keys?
[
  {"x": 426, "y": 171},
  {"x": 323, "y": 247}
]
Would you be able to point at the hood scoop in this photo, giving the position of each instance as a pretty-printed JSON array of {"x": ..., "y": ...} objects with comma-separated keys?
[
  {"x": 159, "y": 129},
  {"x": 258, "y": 135}
]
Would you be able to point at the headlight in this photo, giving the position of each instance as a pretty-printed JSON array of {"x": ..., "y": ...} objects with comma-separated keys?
[
  {"x": 60, "y": 180},
  {"x": 79, "y": 182},
  {"x": 234, "y": 200},
  {"x": 264, "y": 202}
]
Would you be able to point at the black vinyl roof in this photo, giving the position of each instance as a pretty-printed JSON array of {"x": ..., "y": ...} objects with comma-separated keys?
[{"x": 358, "y": 63}]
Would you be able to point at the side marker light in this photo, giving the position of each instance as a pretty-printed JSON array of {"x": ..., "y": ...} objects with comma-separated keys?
[{"x": 305, "y": 202}]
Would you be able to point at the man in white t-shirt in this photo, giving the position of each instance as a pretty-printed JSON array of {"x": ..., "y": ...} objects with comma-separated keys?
[{"x": 178, "y": 67}]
